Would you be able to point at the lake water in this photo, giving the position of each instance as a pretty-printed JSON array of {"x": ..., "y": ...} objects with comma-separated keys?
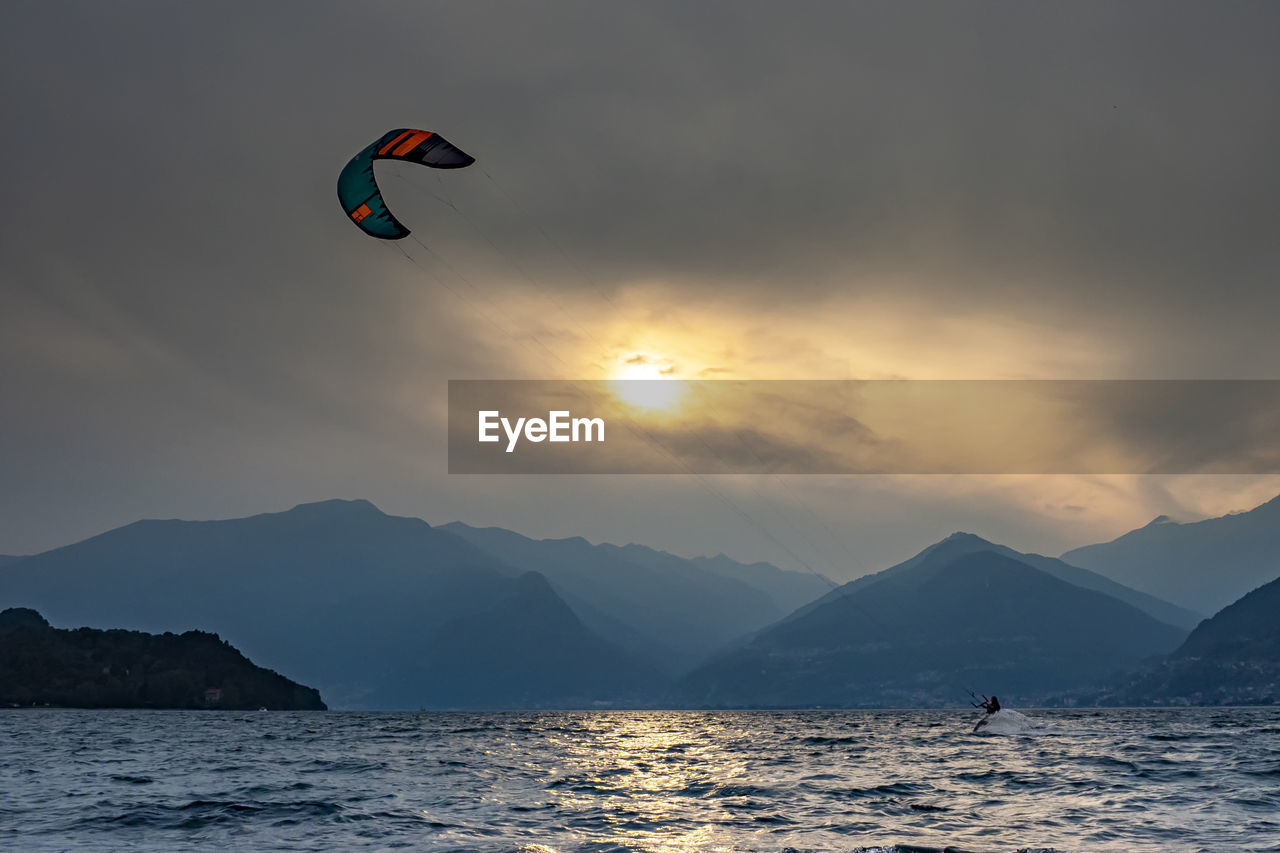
[{"x": 1131, "y": 780}]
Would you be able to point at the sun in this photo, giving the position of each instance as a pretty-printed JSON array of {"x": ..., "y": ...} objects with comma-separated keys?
[{"x": 647, "y": 382}]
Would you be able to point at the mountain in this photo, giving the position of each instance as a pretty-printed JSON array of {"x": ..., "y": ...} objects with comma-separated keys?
[
  {"x": 6, "y": 559},
  {"x": 494, "y": 662},
  {"x": 88, "y": 668},
  {"x": 918, "y": 635},
  {"x": 1231, "y": 659},
  {"x": 788, "y": 589},
  {"x": 1204, "y": 565},
  {"x": 671, "y": 611},
  {"x": 336, "y": 593},
  {"x": 958, "y": 544}
]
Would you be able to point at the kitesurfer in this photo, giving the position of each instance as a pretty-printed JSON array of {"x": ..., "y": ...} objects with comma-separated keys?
[{"x": 989, "y": 705}]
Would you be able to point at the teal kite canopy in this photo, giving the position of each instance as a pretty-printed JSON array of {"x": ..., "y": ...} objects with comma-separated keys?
[{"x": 358, "y": 191}]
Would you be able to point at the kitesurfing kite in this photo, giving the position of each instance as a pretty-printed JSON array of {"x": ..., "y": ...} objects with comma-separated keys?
[{"x": 358, "y": 189}]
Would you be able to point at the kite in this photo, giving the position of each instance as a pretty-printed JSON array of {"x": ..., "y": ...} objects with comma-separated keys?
[{"x": 358, "y": 188}]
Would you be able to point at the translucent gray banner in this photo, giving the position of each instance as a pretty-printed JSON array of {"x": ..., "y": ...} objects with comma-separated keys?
[{"x": 864, "y": 427}]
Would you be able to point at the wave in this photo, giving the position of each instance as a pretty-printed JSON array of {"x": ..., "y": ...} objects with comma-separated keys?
[{"x": 1008, "y": 722}]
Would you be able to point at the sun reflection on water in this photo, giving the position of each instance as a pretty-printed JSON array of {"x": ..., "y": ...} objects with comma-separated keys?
[{"x": 641, "y": 770}]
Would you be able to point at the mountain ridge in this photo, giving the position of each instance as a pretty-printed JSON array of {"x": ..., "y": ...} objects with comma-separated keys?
[
  {"x": 1232, "y": 658},
  {"x": 678, "y": 610},
  {"x": 384, "y": 611},
  {"x": 337, "y": 593},
  {"x": 1202, "y": 565},
  {"x": 961, "y": 542},
  {"x": 912, "y": 638}
]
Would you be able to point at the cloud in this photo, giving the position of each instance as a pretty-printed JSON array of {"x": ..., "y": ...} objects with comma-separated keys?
[{"x": 188, "y": 324}]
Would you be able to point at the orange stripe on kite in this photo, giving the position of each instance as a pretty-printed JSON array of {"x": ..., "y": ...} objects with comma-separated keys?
[
  {"x": 384, "y": 149},
  {"x": 411, "y": 143},
  {"x": 360, "y": 212}
]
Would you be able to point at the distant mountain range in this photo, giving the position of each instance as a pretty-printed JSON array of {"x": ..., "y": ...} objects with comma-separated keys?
[
  {"x": 1203, "y": 566},
  {"x": 918, "y": 634},
  {"x": 380, "y": 611},
  {"x": 670, "y": 611},
  {"x": 388, "y": 612},
  {"x": 88, "y": 668}
]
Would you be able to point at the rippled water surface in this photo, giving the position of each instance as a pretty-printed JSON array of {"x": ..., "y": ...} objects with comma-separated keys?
[{"x": 1200, "y": 779}]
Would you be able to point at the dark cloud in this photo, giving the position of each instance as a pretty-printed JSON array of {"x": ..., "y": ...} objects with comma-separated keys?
[{"x": 187, "y": 323}]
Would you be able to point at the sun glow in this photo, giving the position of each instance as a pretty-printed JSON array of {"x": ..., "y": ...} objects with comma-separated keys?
[{"x": 647, "y": 382}]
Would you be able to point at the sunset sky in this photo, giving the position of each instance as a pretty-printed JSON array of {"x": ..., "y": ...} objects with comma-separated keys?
[{"x": 190, "y": 327}]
